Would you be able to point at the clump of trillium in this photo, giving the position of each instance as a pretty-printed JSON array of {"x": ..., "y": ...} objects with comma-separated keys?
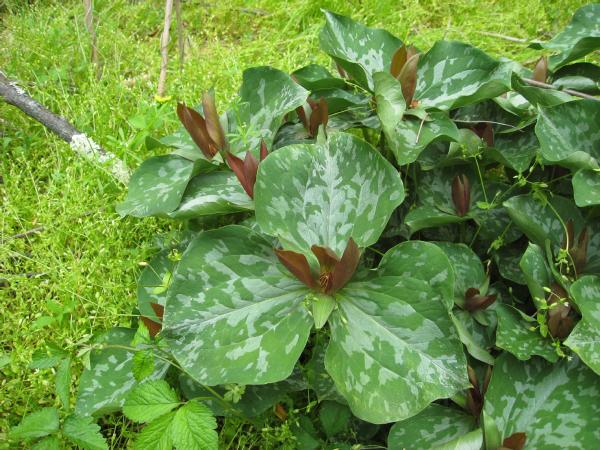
[
  {"x": 334, "y": 274},
  {"x": 208, "y": 134},
  {"x": 318, "y": 115}
]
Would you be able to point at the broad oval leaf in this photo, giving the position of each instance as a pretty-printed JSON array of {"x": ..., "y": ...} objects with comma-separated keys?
[
  {"x": 434, "y": 426},
  {"x": 390, "y": 101},
  {"x": 569, "y": 134},
  {"x": 233, "y": 313},
  {"x": 266, "y": 95},
  {"x": 580, "y": 37},
  {"x": 552, "y": 403},
  {"x": 586, "y": 188},
  {"x": 325, "y": 193},
  {"x": 393, "y": 347},
  {"x": 315, "y": 77},
  {"x": 212, "y": 193},
  {"x": 467, "y": 267},
  {"x": 104, "y": 386},
  {"x": 585, "y": 337},
  {"x": 157, "y": 186},
  {"x": 359, "y": 50},
  {"x": 453, "y": 74}
]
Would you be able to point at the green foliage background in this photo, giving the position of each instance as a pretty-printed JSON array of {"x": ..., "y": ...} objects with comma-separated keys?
[{"x": 82, "y": 266}]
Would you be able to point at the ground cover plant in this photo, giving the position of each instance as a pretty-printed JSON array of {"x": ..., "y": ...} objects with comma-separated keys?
[{"x": 402, "y": 247}]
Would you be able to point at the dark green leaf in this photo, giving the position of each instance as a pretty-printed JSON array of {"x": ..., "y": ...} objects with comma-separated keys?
[
  {"x": 157, "y": 435},
  {"x": 586, "y": 187},
  {"x": 334, "y": 417},
  {"x": 37, "y": 424},
  {"x": 193, "y": 428},
  {"x": 84, "y": 432}
]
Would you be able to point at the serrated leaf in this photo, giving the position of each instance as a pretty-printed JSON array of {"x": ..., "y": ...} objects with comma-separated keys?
[
  {"x": 359, "y": 50},
  {"x": 149, "y": 401},
  {"x": 143, "y": 364},
  {"x": 585, "y": 337},
  {"x": 157, "y": 186},
  {"x": 193, "y": 428},
  {"x": 63, "y": 383},
  {"x": 213, "y": 193},
  {"x": 84, "y": 432},
  {"x": 104, "y": 386},
  {"x": 48, "y": 443},
  {"x": 586, "y": 188},
  {"x": 234, "y": 314},
  {"x": 393, "y": 347},
  {"x": 569, "y": 134},
  {"x": 434, "y": 426},
  {"x": 157, "y": 435},
  {"x": 334, "y": 417},
  {"x": 47, "y": 357},
  {"x": 266, "y": 95},
  {"x": 549, "y": 402},
  {"x": 514, "y": 335},
  {"x": 37, "y": 424},
  {"x": 324, "y": 194},
  {"x": 453, "y": 74},
  {"x": 580, "y": 37}
]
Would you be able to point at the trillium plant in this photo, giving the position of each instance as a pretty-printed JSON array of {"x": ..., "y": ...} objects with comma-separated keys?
[{"x": 403, "y": 254}]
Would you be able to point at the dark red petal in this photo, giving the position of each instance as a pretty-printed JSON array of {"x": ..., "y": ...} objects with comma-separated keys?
[
  {"x": 250, "y": 170},
  {"x": 196, "y": 126},
  {"x": 159, "y": 310},
  {"x": 213, "y": 125},
  {"x": 324, "y": 112},
  {"x": 302, "y": 116},
  {"x": 326, "y": 257},
  {"x": 461, "y": 194},
  {"x": 264, "y": 152},
  {"x": 237, "y": 165},
  {"x": 515, "y": 441},
  {"x": 408, "y": 78},
  {"x": 297, "y": 264},
  {"x": 343, "y": 271},
  {"x": 398, "y": 60},
  {"x": 153, "y": 327},
  {"x": 315, "y": 120}
]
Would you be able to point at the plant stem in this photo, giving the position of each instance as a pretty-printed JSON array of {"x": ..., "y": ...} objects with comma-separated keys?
[{"x": 568, "y": 91}]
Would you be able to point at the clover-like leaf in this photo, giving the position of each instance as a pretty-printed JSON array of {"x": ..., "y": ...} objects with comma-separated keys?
[
  {"x": 433, "y": 427},
  {"x": 585, "y": 337},
  {"x": 233, "y": 313},
  {"x": 393, "y": 347},
  {"x": 453, "y": 74},
  {"x": 359, "y": 50},
  {"x": 551, "y": 403},
  {"x": 323, "y": 194}
]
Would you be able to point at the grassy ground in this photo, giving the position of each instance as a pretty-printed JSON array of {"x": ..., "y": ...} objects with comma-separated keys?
[{"x": 81, "y": 267}]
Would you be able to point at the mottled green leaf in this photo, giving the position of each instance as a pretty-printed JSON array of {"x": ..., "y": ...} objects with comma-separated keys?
[
  {"x": 467, "y": 267},
  {"x": 212, "y": 193},
  {"x": 193, "y": 428},
  {"x": 151, "y": 286},
  {"x": 552, "y": 403},
  {"x": 103, "y": 387},
  {"x": 470, "y": 441},
  {"x": 473, "y": 345},
  {"x": 540, "y": 97},
  {"x": 390, "y": 101},
  {"x": 580, "y": 37},
  {"x": 536, "y": 272},
  {"x": 586, "y": 188},
  {"x": 318, "y": 378},
  {"x": 585, "y": 337},
  {"x": 430, "y": 216},
  {"x": 453, "y": 74},
  {"x": 541, "y": 221},
  {"x": 157, "y": 435},
  {"x": 157, "y": 186},
  {"x": 150, "y": 400},
  {"x": 569, "y": 134},
  {"x": 434, "y": 426},
  {"x": 266, "y": 95},
  {"x": 334, "y": 417},
  {"x": 84, "y": 432},
  {"x": 514, "y": 334},
  {"x": 324, "y": 194},
  {"x": 582, "y": 77},
  {"x": 314, "y": 77},
  {"x": 234, "y": 314},
  {"x": 408, "y": 138},
  {"x": 516, "y": 149},
  {"x": 393, "y": 347},
  {"x": 359, "y": 50},
  {"x": 37, "y": 424}
]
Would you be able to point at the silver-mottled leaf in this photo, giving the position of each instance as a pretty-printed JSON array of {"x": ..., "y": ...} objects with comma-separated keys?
[{"x": 586, "y": 188}]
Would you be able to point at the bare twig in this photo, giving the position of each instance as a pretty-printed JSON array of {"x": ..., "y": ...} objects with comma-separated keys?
[
  {"x": 164, "y": 48},
  {"x": 24, "y": 234},
  {"x": 79, "y": 142},
  {"x": 568, "y": 91},
  {"x": 91, "y": 29},
  {"x": 180, "y": 37},
  {"x": 503, "y": 36}
]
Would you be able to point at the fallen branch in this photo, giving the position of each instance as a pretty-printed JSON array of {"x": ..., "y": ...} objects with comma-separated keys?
[
  {"x": 568, "y": 91},
  {"x": 79, "y": 142}
]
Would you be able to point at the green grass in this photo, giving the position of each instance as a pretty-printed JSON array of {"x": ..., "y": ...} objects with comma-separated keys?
[{"x": 85, "y": 255}]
